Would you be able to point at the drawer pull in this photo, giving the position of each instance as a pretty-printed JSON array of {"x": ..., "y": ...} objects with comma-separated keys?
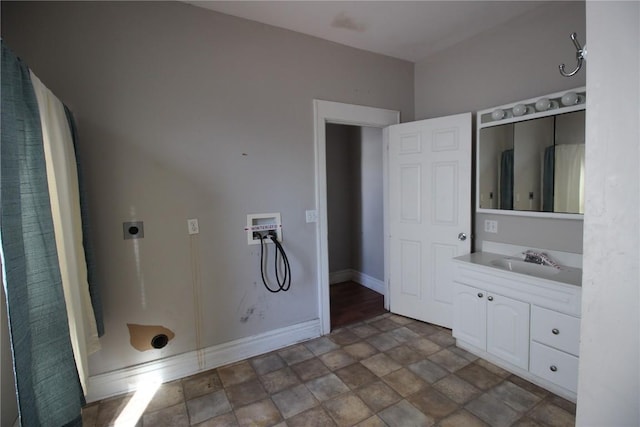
[
  {"x": 553, "y": 368},
  {"x": 555, "y": 331},
  {"x": 490, "y": 298},
  {"x": 480, "y": 295}
]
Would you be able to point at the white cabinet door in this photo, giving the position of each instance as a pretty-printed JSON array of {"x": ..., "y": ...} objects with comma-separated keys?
[
  {"x": 429, "y": 207},
  {"x": 508, "y": 329},
  {"x": 470, "y": 315}
]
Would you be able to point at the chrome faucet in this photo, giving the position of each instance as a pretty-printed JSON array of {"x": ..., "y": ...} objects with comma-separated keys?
[{"x": 539, "y": 258}]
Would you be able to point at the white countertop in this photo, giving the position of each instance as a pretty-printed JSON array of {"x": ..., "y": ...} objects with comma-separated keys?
[{"x": 566, "y": 275}]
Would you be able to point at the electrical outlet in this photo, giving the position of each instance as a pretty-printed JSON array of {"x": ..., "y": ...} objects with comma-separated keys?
[
  {"x": 312, "y": 216},
  {"x": 490, "y": 226},
  {"x": 192, "y": 226}
]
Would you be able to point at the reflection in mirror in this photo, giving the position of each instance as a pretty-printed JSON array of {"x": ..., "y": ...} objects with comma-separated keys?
[
  {"x": 496, "y": 186},
  {"x": 568, "y": 170},
  {"x": 534, "y": 165}
]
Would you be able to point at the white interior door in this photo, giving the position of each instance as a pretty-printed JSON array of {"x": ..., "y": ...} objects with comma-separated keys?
[{"x": 429, "y": 206}]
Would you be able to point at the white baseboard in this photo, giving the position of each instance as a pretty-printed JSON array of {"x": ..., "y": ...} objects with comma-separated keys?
[
  {"x": 358, "y": 277},
  {"x": 369, "y": 282},
  {"x": 340, "y": 276},
  {"x": 172, "y": 368}
]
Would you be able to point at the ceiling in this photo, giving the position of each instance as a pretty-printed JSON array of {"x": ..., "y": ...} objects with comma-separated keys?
[{"x": 402, "y": 29}]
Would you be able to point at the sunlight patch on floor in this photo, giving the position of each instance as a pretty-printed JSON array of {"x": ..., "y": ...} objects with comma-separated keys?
[{"x": 132, "y": 413}]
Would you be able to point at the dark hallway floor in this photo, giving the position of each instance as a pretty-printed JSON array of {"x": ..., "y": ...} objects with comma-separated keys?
[{"x": 352, "y": 303}]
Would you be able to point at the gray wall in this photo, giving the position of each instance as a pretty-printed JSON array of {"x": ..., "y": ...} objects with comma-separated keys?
[
  {"x": 341, "y": 193},
  {"x": 370, "y": 237},
  {"x": 513, "y": 61},
  {"x": 355, "y": 199},
  {"x": 187, "y": 113}
]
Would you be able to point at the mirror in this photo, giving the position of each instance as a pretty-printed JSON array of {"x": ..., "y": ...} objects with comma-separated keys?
[{"x": 534, "y": 165}]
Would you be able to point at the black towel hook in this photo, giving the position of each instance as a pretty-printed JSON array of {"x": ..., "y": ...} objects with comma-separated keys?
[{"x": 581, "y": 55}]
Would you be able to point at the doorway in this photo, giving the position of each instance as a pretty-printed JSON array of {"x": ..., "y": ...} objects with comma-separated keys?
[
  {"x": 326, "y": 112},
  {"x": 355, "y": 222}
]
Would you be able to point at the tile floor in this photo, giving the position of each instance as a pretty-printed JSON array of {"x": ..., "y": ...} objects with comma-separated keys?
[{"x": 389, "y": 370}]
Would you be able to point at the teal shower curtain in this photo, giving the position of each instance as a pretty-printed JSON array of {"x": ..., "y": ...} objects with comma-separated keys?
[
  {"x": 506, "y": 179},
  {"x": 47, "y": 382}
]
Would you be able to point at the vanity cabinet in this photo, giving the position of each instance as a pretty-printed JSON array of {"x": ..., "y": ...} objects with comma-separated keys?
[
  {"x": 524, "y": 324},
  {"x": 492, "y": 322},
  {"x": 555, "y": 341}
]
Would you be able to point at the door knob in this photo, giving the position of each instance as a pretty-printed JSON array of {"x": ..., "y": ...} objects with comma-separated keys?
[{"x": 462, "y": 237}]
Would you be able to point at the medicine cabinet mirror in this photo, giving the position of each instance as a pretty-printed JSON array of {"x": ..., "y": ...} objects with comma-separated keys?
[{"x": 530, "y": 157}]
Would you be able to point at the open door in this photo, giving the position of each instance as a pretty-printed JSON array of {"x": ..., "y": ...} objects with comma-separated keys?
[{"x": 429, "y": 214}]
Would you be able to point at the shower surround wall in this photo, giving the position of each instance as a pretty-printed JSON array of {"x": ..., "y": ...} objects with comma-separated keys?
[{"x": 187, "y": 113}]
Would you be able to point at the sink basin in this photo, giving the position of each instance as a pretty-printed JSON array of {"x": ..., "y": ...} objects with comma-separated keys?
[{"x": 519, "y": 266}]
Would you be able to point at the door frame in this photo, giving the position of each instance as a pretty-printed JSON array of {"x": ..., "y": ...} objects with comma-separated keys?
[{"x": 346, "y": 114}]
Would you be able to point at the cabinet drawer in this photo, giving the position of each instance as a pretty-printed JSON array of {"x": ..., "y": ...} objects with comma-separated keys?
[
  {"x": 555, "y": 329},
  {"x": 553, "y": 365}
]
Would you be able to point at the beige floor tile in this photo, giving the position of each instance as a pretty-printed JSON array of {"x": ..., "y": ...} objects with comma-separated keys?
[
  {"x": 515, "y": 397},
  {"x": 360, "y": 350},
  {"x": 405, "y": 414},
  {"x": 404, "y": 355},
  {"x": 433, "y": 403},
  {"x": 456, "y": 389},
  {"x": 380, "y": 364},
  {"x": 358, "y": 375},
  {"x": 90, "y": 415},
  {"x": 385, "y": 324},
  {"x": 336, "y": 359},
  {"x": 208, "y": 406},
  {"x": 383, "y": 341},
  {"x": 310, "y": 369},
  {"x": 169, "y": 394},
  {"x": 462, "y": 418},
  {"x": 344, "y": 337},
  {"x": 478, "y": 376},
  {"x": 173, "y": 416},
  {"x": 404, "y": 382},
  {"x": 401, "y": 320},
  {"x": 244, "y": 393},
  {"x": 355, "y": 375},
  {"x": 268, "y": 363},
  {"x": 259, "y": 414},
  {"x": 493, "y": 368},
  {"x": 378, "y": 395},
  {"x": 449, "y": 360},
  {"x": 226, "y": 420},
  {"x": 315, "y": 417},
  {"x": 321, "y": 345},
  {"x": 404, "y": 334},
  {"x": 493, "y": 411},
  {"x": 364, "y": 330},
  {"x": 201, "y": 384},
  {"x": 374, "y": 421},
  {"x": 279, "y": 380},
  {"x": 295, "y": 354},
  {"x": 294, "y": 401},
  {"x": 110, "y": 409},
  {"x": 424, "y": 346},
  {"x": 347, "y": 409},
  {"x": 236, "y": 373},
  {"x": 428, "y": 371},
  {"x": 552, "y": 415},
  {"x": 326, "y": 387}
]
